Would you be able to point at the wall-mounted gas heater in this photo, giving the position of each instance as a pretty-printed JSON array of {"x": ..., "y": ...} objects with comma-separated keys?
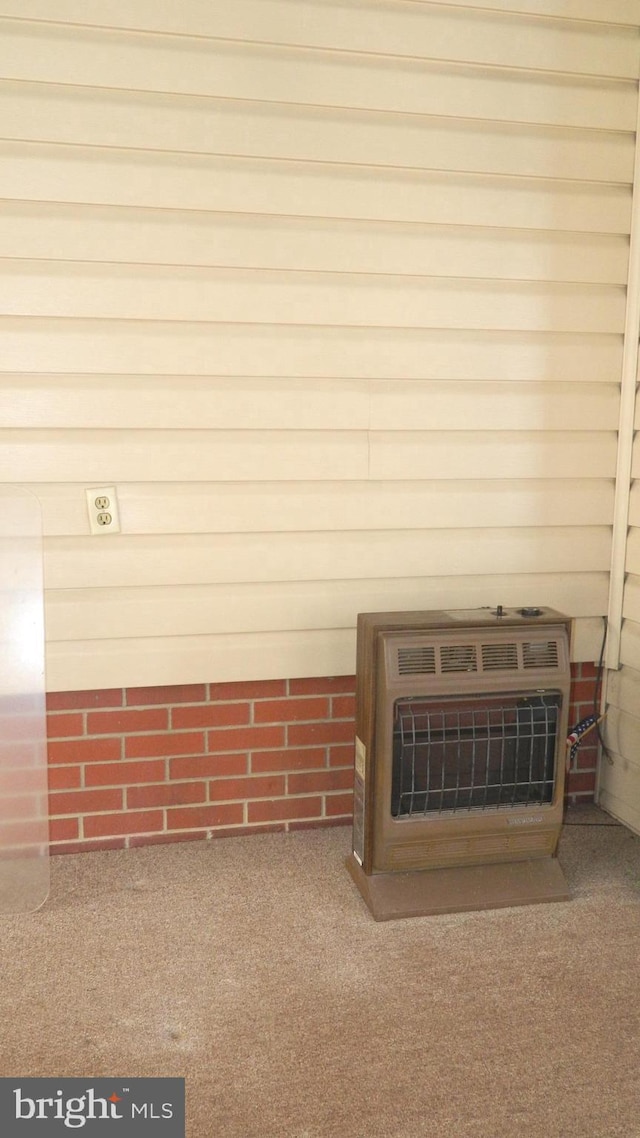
[{"x": 461, "y": 727}]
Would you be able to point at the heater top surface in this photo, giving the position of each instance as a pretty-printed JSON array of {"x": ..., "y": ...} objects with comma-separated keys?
[{"x": 524, "y": 615}]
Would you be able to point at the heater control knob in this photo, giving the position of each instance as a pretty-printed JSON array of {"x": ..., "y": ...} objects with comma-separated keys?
[
  {"x": 530, "y": 612},
  {"x": 499, "y": 611}
]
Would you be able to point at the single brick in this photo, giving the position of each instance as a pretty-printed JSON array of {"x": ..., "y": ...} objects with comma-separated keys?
[
  {"x": 173, "y": 693},
  {"x": 110, "y": 825},
  {"x": 85, "y": 751},
  {"x": 165, "y": 794},
  {"x": 210, "y": 715},
  {"x": 320, "y": 781},
  {"x": 333, "y": 731},
  {"x": 282, "y": 809},
  {"x": 85, "y": 801},
  {"x": 343, "y": 707},
  {"x": 208, "y": 766},
  {"x": 583, "y": 691},
  {"x": 339, "y": 805},
  {"x": 65, "y": 725},
  {"x": 342, "y": 755},
  {"x": 586, "y": 758},
  {"x": 190, "y": 817},
  {"x": 223, "y": 789},
  {"x": 248, "y": 689},
  {"x": 322, "y": 685},
  {"x": 84, "y": 700},
  {"x": 289, "y": 759},
  {"x": 244, "y": 738},
  {"x": 122, "y": 774},
  {"x": 63, "y": 829},
  {"x": 124, "y": 722},
  {"x": 152, "y": 746},
  {"x": 64, "y": 778},
  {"x": 290, "y": 710}
]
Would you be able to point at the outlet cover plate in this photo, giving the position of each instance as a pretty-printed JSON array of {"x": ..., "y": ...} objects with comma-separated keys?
[{"x": 102, "y": 506}]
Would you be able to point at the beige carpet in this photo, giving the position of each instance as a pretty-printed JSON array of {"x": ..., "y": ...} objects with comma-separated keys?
[{"x": 252, "y": 967}]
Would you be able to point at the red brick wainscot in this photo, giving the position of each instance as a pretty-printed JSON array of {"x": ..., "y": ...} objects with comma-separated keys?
[{"x": 134, "y": 766}]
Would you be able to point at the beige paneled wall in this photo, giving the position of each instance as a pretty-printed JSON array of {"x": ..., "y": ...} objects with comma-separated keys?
[{"x": 334, "y": 294}]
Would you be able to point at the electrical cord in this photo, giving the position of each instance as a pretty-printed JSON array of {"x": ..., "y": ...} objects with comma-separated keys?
[{"x": 598, "y": 693}]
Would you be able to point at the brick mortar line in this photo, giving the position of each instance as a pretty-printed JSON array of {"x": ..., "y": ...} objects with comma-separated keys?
[
  {"x": 199, "y": 728},
  {"x": 197, "y": 805},
  {"x": 223, "y": 702},
  {"x": 202, "y": 777}
]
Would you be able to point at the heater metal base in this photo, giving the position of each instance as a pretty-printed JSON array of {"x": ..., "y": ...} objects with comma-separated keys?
[{"x": 424, "y": 893}]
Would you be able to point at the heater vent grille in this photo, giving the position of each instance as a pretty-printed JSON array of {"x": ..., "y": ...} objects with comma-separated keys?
[
  {"x": 458, "y": 658},
  {"x": 420, "y": 661},
  {"x": 430, "y": 655},
  {"x": 540, "y": 654},
  {"x": 500, "y": 657}
]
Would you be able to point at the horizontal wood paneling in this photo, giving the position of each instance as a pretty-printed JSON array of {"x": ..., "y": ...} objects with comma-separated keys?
[
  {"x": 623, "y": 688},
  {"x": 634, "y": 505},
  {"x": 277, "y": 507},
  {"x": 155, "y": 348},
  {"x": 98, "y": 176},
  {"x": 104, "y": 456},
  {"x": 616, "y": 11},
  {"x": 122, "y": 560},
  {"x": 193, "y": 403},
  {"x": 227, "y": 295},
  {"x": 333, "y": 293},
  {"x": 81, "y": 665},
  {"x": 204, "y": 610},
  {"x": 630, "y": 645},
  {"x": 405, "y": 29},
  {"x": 631, "y": 607},
  {"x": 133, "y": 456},
  {"x": 154, "y": 122},
  {"x": 420, "y": 454},
  {"x": 635, "y": 465},
  {"x": 49, "y": 53},
  {"x": 62, "y": 232},
  {"x": 494, "y": 406},
  {"x": 633, "y": 551}
]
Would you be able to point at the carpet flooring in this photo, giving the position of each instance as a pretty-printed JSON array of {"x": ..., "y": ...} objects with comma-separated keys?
[{"x": 251, "y": 967}]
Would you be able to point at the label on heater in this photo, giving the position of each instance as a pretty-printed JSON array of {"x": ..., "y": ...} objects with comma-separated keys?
[
  {"x": 358, "y": 800},
  {"x": 361, "y": 758}
]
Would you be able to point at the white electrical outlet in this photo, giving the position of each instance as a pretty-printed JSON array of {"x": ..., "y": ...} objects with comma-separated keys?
[{"x": 102, "y": 504}]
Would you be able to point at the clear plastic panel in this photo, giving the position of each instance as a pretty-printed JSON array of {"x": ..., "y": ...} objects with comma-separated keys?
[{"x": 24, "y": 824}]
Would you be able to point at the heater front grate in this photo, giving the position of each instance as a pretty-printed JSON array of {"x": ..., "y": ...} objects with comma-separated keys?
[{"x": 474, "y": 754}]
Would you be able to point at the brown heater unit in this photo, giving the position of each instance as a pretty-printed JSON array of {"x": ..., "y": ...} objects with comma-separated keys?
[{"x": 461, "y": 728}]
